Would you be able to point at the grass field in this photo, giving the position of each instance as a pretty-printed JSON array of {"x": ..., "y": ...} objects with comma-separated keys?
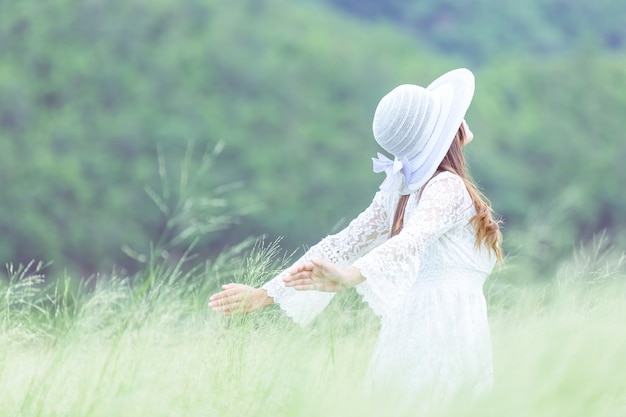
[{"x": 147, "y": 346}]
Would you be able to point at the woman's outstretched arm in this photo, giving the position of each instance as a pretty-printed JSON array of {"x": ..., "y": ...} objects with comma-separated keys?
[
  {"x": 364, "y": 232},
  {"x": 318, "y": 275}
]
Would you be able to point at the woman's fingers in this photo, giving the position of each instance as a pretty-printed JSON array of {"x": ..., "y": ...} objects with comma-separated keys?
[
  {"x": 229, "y": 307},
  {"x": 224, "y": 300},
  {"x": 302, "y": 267},
  {"x": 238, "y": 298},
  {"x": 304, "y": 270},
  {"x": 300, "y": 281},
  {"x": 220, "y": 296},
  {"x": 299, "y": 276}
]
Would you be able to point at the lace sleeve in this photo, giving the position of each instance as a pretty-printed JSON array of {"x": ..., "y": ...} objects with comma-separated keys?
[
  {"x": 342, "y": 249},
  {"x": 391, "y": 268}
]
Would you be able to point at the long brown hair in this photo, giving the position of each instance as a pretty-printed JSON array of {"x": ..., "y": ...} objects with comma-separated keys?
[{"x": 487, "y": 228}]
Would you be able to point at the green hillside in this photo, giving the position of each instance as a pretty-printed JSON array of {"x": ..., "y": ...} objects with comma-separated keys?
[
  {"x": 90, "y": 90},
  {"x": 483, "y": 30}
]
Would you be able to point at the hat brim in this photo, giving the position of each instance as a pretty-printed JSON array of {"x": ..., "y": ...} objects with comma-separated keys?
[{"x": 455, "y": 89}]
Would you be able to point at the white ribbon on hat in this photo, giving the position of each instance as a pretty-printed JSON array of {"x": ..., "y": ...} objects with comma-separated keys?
[
  {"x": 400, "y": 175},
  {"x": 398, "y": 172}
]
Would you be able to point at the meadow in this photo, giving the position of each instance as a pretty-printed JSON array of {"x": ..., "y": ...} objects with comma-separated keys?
[
  {"x": 146, "y": 345},
  {"x": 264, "y": 107}
]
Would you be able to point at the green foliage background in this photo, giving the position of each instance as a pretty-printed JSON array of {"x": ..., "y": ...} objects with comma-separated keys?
[{"x": 93, "y": 91}]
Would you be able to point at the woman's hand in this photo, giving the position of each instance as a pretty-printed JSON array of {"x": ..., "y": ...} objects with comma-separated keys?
[
  {"x": 238, "y": 299},
  {"x": 321, "y": 275}
]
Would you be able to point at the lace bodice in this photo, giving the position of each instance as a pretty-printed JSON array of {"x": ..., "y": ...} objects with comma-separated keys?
[{"x": 436, "y": 233}]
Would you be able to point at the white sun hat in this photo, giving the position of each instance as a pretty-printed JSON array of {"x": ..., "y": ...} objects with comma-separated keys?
[{"x": 417, "y": 125}]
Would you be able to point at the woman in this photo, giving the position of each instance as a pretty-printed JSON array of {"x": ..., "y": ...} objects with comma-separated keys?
[{"x": 419, "y": 254}]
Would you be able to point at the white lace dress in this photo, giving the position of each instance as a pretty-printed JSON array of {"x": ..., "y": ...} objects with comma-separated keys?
[{"x": 424, "y": 283}]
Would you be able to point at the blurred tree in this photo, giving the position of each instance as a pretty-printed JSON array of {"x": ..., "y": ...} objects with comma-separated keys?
[
  {"x": 482, "y": 30},
  {"x": 89, "y": 90},
  {"x": 553, "y": 142}
]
